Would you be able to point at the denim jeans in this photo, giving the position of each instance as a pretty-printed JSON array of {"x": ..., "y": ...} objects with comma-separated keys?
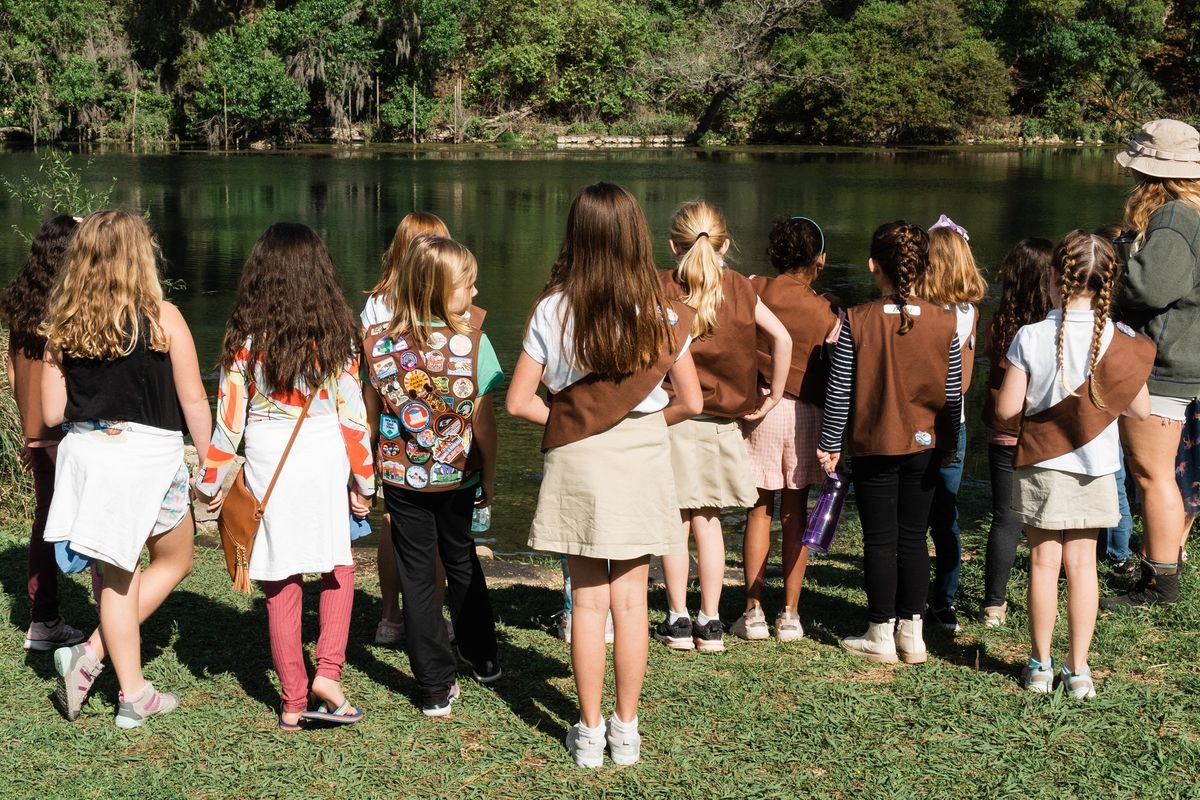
[
  {"x": 1115, "y": 545},
  {"x": 1006, "y": 529},
  {"x": 943, "y": 528}
]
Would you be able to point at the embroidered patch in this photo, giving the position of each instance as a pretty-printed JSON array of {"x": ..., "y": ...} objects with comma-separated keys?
[
  {"x": 459, "y": 366},
  {"x": 435, "y": 361},
  {"x": 460, "y": 345},
  {"x": 416, "y": 381},
  {"x": 384, "y": 346},
  {"x": 1125, "y": 329},
  {"x": 390, "y": 449},
  {"x": 463, "y": 388},
  {"x": 414, "y": 452},
  {"x": 408, "y": 360},
  {"x": 441, "y": 384},
  {"x": 449, "y": 448},
  {"x": 415, "y": 416},
  {"x": 437, "y": 340},
  {"x": 385, "y": 369},
  {"x": 389, "y": 426},
  {"x": 923, "y": 438},
  {"x": 466, "y": 409},
  {"x": 426, "y": 438},
  {"x": 417, "y": 477},
  {"x": 393, "y": 472},
  {"x": 449, "y": 425},
  {"x": 444, "y": 474}
]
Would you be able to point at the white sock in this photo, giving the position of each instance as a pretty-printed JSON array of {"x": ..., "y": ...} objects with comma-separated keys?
[
  {"x": 624, "y": 727},
  {"x": 584, "y": 730},
  {"x": 704, "y": 619},
  {"x": 675, "y": 616}
]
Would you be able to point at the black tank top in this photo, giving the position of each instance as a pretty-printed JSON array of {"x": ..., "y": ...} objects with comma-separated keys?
[{"x": 139, "y": 387}]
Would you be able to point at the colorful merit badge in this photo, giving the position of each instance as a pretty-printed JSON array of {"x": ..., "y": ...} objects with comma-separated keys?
[
  {"x": 415, "y": 453},
  {"x": 409, "y": 360},
  {"x": 448, "y": 425},
  {"x": 387, "y": 345},
  {"x": 426, "y": 438},
  {"x": 415, "y": 416},
  {"x": 459, "y": 365},
  {"x": 1125, "y": 329},
  {"x": 437, "y": 340},
  {"x": 389, "y": 426},
  {"x": 460, "y": 345},
  {"x": 441, "y": 384},
  {"x": 417, "y": 477},
  {"x": 435, "y": 360},
  {"x": 390, "y": 449},
  {"x": 416, "y": 381},
  {"x": 385, "y": 368},
  {"x": 448, "y": 448},
  {"x": 392, "y": 472},
  {"x": 923, "y": 438},
  {"x": 444, "y": 474},
  {"x": 466, "y": 409},
  {"x": 463, "y": 388}
]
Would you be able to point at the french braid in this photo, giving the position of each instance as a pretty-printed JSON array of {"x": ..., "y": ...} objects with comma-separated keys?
[{"x": 901, "y": 251}]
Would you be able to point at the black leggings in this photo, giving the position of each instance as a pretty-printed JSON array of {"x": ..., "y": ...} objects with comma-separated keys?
[
  {"x": 893, "y": 494},
  {"x": 1006, "y": 529}
]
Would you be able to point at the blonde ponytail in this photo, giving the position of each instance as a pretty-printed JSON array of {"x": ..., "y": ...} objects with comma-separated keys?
[{"x": 698, "y": 234}]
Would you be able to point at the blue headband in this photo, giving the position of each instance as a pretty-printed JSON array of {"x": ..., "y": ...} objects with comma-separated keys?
[{"x": 820, "y": 249}]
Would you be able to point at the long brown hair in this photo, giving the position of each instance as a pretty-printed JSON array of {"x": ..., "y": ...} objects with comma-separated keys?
[
  {"x": 1150, "y": 194},
  {"x": 432, "y": 269},
  {"x": 414, "y": 224},
  {"x": 1087, "y": 264},
  {"x": 291, "y": 309},
  {"x": 107, "y": 296},
  {"x": 901, "y": 251},
  {"x": 1025, "y": 280},
  {"x": 605, "y": 271},
  {"x": 23, "y": 302},
  {"x": 698, "y": 233}
]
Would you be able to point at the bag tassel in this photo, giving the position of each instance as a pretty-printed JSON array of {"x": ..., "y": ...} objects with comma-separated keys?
[{"x": 241, "y": 577}]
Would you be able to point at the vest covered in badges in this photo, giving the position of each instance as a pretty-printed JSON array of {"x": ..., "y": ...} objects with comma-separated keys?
[
  {"x": 724, "y": 359},
  {"x": 429, "y": 396},
  {"x": 1073, "y": 421},
  {"x": 593, "y": 404},
  {"x": 808, "y": 317},
  {"x": 899, "y": 398},
  {"x": 1010, "y": 427}
]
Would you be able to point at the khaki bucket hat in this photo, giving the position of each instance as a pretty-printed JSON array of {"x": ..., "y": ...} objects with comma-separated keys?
[{"x": 1164, "y": 148}]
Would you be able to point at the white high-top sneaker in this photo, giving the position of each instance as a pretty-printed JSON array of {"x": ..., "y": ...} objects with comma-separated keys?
[
  {"x": 877, "y": 644},
  {"x": 910, "y": 640}
]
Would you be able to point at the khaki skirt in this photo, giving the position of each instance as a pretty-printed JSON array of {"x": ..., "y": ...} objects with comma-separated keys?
[
  {"x": 711, "y": 465},
  {"x": 610, "y": 495},
  {"x": 1061, "y": 501}
]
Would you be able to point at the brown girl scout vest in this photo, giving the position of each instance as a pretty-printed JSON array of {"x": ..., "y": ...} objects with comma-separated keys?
[
  {"x": 899, "y": 397},
  {"x": 808, "y": 317},
  {"x": 429, "y": 395},
  {"x": 1073, "y": 421},
  {"x": 1004, "y": 427},
  {"x": 724, "y": 359},
  {"x": 593, "y": 404}
]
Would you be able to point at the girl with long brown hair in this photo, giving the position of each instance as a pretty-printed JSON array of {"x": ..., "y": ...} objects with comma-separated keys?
[
  {"x": 601, "y": 338},
  {"x": 23, "y": 308},
  {"x": 708, "y": 454},
  {"x": 290, "y": 359},
  {"x": 377, "y": 310},
  {"x": 121, "y": 369},
  {"x": 1070, "y": 376},
  {"x": 1160, "y": 297},
  {"x": 897, "y": 366}
]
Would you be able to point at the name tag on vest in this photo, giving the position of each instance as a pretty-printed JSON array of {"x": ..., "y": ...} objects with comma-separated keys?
[{"x": 892, "y": 308}]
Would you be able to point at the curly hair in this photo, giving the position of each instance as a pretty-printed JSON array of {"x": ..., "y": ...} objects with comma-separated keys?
[
  {"x": 23, "y": 302},
  {"x": 1087, "y": 265},
  {"x": 1025, "y": 297},
  {"x": 291, "y": 309},
  {"x": 901, "y": 252},
  {"x": 795, "y": 244},
  {"x": 1150, "y": 194}
]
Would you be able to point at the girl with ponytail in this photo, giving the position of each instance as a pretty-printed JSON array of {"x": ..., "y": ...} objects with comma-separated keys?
[
  {"x": 1072, "y": 375},
  {"x": 708, "y": 455},
  {"x": 897, "y": 366}
]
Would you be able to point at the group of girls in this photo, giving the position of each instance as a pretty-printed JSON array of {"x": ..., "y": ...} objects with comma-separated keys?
[{"x": 669, "y": 395}]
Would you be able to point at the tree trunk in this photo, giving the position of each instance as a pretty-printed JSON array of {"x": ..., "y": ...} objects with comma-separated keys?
[{"x": 710, "y": 116}]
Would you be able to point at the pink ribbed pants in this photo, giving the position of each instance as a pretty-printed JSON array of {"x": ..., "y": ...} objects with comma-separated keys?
[{"x": 284, "y": 612}]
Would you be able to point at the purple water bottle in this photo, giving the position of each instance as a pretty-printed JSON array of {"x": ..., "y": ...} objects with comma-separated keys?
[{"x": 823, "y": 520}]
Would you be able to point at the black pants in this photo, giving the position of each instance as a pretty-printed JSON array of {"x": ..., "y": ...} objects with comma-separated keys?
[
  {"x": 1005, "y": 532},
  {"x": 425, "y": 523},
  {"x": 893, "y": 494}
]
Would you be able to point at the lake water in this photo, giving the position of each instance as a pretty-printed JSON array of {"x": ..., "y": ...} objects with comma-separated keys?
[{"x": 510, "y": 208}]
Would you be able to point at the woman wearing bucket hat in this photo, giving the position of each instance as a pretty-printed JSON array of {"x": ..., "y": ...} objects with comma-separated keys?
[{"x": 1160, "y": 296}]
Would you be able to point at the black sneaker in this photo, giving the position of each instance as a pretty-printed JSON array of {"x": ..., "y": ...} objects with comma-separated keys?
[
  {"x": 709, "y": 637},
  {"x": 676, "y": 635},
  {"x": 442, "y": 707},
  {"x": 1124, "y": 568},
  {"x": 487, "y": 672},
  {"x": 945, "y": 618}
]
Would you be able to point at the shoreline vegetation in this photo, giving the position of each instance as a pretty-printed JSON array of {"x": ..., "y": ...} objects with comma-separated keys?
[{"x": 269, "y": 73}]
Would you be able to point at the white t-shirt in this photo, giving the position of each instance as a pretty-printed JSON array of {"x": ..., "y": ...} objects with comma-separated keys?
[
  {"x": 548, "y": 342},
  {"x": 1034, "y": 351},
  {"x": 375, "y": 311},
  {"x": 965, "y": 315}
]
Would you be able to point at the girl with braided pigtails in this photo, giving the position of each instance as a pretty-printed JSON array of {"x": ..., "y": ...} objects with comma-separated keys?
[
  {"x": 896, "y": 383},
  {"x": 1072, "y": 375}
]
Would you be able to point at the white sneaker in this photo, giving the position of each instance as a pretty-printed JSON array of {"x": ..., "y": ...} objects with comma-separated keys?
[
  {"x": 609, "y": 633},
  {"x": 586, "y": 745},
  {"x": 788, "y": 627},
  {"x": 995, "y": 616},
  {"x": 42, "y": 636},
  {"x": 624, "y": 741},
  {"x": 752, "y": 626}
]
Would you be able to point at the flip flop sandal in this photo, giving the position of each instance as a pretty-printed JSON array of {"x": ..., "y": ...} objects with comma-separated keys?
[
  {"x": 342, "y": 715},
  {"x": 289, "y": 727}
]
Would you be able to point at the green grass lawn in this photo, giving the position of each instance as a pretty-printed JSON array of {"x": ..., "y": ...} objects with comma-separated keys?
[{"x": 761, "y": 720}]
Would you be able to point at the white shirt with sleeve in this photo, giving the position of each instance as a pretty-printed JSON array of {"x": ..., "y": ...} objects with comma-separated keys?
[
  {"x": 1034, "y": 352},
  {"x": 548, "y": 342},
  {"x": 375, "y": 311}
]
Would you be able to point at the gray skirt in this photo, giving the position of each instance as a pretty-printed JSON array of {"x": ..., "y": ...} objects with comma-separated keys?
[
  {"x": 610, "y": 495},
  {"x": 1059, "y": 501}
]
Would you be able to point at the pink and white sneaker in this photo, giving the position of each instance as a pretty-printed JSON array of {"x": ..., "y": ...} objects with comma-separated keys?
[
  {"x": 77, "y": 670},
  {"x": 133, "y": 711}
]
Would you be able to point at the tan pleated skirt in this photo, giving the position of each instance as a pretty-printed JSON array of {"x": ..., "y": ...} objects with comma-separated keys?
[
  {"x": 712, "y": 468},
  {"x": 611, "y": 495},
  {"x": 1063, "y": 501}
]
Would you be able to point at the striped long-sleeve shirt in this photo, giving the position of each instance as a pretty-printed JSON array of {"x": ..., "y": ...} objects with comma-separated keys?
[{"x": 841, "y": 386}]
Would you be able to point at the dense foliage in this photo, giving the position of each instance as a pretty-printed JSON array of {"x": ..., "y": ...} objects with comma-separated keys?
[{"x": 231, "y": 72}]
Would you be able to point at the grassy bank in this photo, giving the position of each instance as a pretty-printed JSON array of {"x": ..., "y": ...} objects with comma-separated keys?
[{"x": 763, "y": 720}]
